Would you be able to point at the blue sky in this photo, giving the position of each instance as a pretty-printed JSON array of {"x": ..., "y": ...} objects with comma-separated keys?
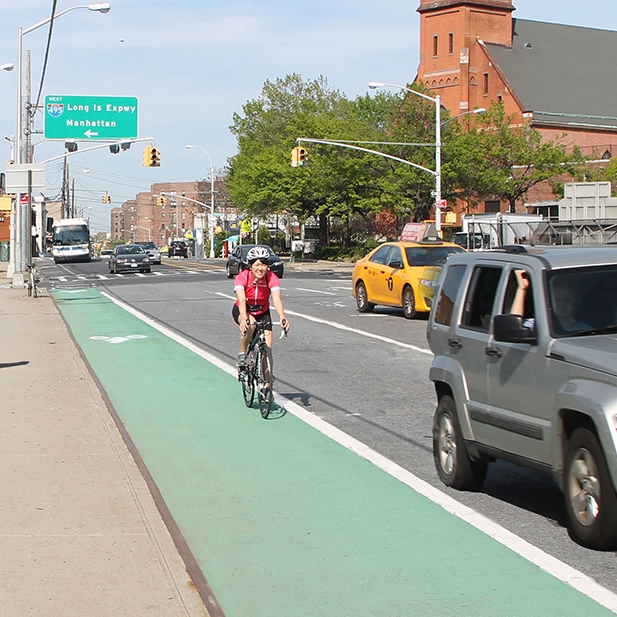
[{"x": 193, "y": 64}]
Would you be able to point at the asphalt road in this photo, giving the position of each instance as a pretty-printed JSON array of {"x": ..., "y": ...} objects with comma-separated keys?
[{"x": 364, "y": 373}]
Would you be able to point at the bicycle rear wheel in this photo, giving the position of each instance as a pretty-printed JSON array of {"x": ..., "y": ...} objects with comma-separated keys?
[{"x": 265, "y": 379}]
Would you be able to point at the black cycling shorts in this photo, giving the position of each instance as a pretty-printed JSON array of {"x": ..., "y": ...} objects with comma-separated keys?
[{"x": 264, "y": 318}]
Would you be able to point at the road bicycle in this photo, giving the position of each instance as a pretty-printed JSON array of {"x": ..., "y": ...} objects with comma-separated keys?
[{"x": 256, "y": 376}]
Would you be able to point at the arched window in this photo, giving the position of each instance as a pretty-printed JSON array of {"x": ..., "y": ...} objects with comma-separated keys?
[{"x": 607, "y": 155}]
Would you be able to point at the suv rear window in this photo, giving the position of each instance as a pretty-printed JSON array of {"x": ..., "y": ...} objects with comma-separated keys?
[{"x": 447, "y": 295}]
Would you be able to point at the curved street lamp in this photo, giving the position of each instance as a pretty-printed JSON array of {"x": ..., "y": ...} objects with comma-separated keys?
[
  {"x": 211, "y": 225},
  {"x": 437, "y": 101}
]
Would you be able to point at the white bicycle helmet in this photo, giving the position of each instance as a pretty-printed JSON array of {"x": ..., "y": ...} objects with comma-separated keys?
[{"x": 257, "y": 252}]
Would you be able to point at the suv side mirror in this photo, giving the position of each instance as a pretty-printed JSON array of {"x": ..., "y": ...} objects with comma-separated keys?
[{"x": 510, "y": 329}]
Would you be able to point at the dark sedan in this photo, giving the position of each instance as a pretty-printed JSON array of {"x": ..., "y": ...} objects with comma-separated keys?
[
  {"x": 237, "y": 260},
  {"x": 129, "y": 258},
  {"x": 178, "y": 248}
]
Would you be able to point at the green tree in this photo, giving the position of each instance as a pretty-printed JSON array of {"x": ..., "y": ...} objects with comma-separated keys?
[
  {"x": 497, "y": 157},
  {"x": 339, "y": 182}
]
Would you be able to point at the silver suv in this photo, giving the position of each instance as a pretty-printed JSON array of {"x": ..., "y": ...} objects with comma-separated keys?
[{"x": 525, "y": 370}]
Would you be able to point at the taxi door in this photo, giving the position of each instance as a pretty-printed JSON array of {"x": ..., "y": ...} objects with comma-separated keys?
[
  {"x": 396, "y": 277},
  {"x": 376, "y": 274}
]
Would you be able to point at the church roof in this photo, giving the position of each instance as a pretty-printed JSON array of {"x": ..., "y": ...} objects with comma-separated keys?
[{"x": 565, "y": 75}]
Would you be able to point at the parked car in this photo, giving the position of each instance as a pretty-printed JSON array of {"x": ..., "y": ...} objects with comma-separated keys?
[
  {"x": 152, "y": 250},
  {"x": 129, "y": 257},
  {"x": 178, "y": 248},
  {"x": 105, "y": 253},
  {"x": 402, "y": 274},
  {"x": 524, "y": 342},
  {"x": 237, "y": 260}
]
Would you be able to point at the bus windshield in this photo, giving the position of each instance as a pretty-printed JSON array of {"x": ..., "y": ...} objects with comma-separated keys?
[{"x": 70, "y": 235}]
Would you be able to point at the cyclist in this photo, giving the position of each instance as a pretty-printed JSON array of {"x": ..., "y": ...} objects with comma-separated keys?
[{"x": 254, "y": 288}]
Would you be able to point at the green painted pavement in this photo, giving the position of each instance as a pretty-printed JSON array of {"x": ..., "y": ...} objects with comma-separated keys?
[{"x": 282, "y": 520}]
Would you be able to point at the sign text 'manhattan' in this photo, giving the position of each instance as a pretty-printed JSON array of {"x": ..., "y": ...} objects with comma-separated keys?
[{"x": 103, "y": 123}]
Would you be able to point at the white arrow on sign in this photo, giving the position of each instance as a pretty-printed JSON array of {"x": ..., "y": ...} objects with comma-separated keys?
[{"x": 89, "y": 134}]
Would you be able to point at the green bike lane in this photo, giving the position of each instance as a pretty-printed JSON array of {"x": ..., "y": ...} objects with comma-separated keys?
[{"x": 282, "y": 520}]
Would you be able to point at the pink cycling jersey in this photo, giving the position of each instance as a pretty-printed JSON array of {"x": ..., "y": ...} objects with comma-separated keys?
[{"x": 257, "y": 293}]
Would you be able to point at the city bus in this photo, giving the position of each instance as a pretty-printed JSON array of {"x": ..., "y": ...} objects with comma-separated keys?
[{"x": 70, "y": 240}]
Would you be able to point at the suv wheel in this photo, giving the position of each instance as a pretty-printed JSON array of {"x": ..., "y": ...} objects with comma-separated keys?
[
  {"x": 453, "y": 464},
  {"x": 229, "y": 274},
  {"x": 590, "y": 498},
  {"x": 409, "y": 303},
  {"x": 364, "y": 306}
]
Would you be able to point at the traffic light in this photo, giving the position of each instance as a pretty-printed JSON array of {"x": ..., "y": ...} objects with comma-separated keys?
[
  {"x": 106, "y": 198},
  {"x": 161, "y": 201},
  {"x": 294, "y": 156},
  {"x": 302, "y": 157},
  {"x": 152, "y": 156}
]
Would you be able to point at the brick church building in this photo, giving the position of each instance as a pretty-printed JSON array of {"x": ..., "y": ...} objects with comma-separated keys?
[{"x": 561, "y": 79}]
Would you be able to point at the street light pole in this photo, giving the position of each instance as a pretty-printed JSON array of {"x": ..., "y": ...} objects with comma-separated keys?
[
  {"x": 22, "y": 144},
  {"x": 211, "y": 225},
  {"x": 437, "y": 101}
]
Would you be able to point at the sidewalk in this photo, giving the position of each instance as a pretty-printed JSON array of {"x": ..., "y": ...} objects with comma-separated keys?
[{"x": 81, "y": 534}]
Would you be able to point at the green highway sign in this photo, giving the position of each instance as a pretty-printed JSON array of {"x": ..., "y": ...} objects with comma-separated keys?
[{"x": 90, "y": 118}]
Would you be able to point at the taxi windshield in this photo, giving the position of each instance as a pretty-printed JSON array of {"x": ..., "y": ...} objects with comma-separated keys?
[{"x": 429, "y": 255}]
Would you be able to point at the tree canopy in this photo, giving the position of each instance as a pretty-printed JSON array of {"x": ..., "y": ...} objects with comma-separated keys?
[{"x": 481, "y": 155}]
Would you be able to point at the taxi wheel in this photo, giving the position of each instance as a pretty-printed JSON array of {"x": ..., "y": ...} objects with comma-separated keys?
[
  {"x": 409, "y": 303},
  {"x": 364, "y": 306}
]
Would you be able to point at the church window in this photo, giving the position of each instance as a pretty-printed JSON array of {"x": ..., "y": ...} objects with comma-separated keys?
[
  {"x": 451, "y": 43},
  {"x": 485, "y": 84},
  {"x": 435, "y": 45}
]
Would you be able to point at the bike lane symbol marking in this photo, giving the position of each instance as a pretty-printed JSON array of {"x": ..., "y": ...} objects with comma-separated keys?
[{"x": 114, "y": 340}]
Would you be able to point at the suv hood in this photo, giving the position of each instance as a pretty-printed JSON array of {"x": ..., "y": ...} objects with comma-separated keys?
[{"x": 594, "y": 352}]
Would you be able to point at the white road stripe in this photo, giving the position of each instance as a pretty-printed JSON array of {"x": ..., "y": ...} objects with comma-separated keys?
[
  {"x": 102, "y": 277},
  {"x": 317, "y": 291},
  {"x": 340, "y": 326},
  {"x": 560, "y": 570}
]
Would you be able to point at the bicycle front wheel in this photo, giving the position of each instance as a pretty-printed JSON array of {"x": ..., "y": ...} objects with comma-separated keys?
[
  {"x": 265, "y": 379},
  {"x": 248, "y": 384}
]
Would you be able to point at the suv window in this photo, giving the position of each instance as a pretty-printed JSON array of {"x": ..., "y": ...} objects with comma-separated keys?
[
  {"x": 480, "y": 300},
  {"x": 447, "y": 295},
  {"x": 512, "y": 287}
]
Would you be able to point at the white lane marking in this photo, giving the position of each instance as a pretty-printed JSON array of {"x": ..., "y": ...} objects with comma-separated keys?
[
  {"x": 157, "y": 273},
  {"x": 316, "y": 291},
  {"x": 102, "y": 277},
  {"x": 561, "y": 571},
  {"x": 340, "y": 326},
  {"x": 139, "y": 274},
  {"x": 63, "y": 279},
  {"x": 341, "y": 288}
]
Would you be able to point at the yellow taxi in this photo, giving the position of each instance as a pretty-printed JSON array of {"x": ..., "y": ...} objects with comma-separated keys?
[{"x": 401, "y": 274}]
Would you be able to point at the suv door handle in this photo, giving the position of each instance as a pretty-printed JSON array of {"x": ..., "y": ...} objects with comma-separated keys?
[
  {"x": 455, "y": 343},
  {"x": 494, "y": 352}
]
